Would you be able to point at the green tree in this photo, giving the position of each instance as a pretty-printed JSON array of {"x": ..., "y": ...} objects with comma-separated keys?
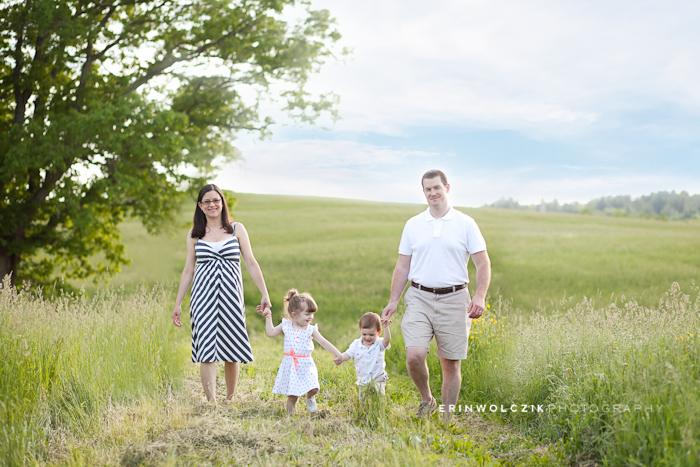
[{"x": 116, "y": 107}]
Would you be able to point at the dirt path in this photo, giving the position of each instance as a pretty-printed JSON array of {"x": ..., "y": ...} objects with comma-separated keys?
[{"x": 254, "y": 431}]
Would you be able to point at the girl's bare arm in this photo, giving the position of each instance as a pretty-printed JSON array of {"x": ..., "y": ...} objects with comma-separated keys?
[
  {"x": 325, "y": 344},
  {"x": 270, "y": 329}
]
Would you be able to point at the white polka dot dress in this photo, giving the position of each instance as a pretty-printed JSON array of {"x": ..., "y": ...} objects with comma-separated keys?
[{"x": 297, "y": 374}]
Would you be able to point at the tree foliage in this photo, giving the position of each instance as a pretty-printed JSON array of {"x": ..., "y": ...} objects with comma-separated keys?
[{"x": 116, "y": 107}]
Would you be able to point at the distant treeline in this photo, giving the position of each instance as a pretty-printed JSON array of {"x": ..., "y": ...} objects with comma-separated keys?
[{"x": 660, "y": 205}]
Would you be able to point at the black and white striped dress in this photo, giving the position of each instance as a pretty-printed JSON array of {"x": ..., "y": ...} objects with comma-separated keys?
[{"x": 216, "y": 308}]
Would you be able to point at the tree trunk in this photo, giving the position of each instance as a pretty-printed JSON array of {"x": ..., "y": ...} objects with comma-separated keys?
[{"x": 8, "y": 265}]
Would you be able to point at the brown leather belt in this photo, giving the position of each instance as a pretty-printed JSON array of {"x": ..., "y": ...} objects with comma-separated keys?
[{"x": 439, "y": 290}]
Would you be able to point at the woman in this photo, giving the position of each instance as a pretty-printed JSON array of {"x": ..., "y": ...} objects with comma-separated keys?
[{"x": 216, "y": 244}]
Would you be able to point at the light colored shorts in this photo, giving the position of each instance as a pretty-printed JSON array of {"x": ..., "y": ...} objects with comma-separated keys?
[{"x": 443, "y": 316}]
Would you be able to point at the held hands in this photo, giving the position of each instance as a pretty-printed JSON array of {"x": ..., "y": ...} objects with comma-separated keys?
[
  {"x": 264, "y": 306},
  {"x": 389, "y": 310},
  {"x": 338, "y": 360},
  {"x": 385, "y": 321},
  {"x": 177, "y": 311}
]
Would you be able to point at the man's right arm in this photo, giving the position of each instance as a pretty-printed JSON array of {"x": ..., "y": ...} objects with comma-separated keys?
[{"x": 398, "y": 284}]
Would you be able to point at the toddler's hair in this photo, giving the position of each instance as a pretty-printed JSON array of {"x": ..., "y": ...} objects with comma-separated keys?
[
  {"x": 371, "y": 320},
  {"x": 295, "y": 302}
]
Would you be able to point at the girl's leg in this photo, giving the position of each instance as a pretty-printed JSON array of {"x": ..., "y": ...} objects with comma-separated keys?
[
  {"x": 231, "y": 370},
  {"x": 207, "y": 370},
  {"x": 310, "y": 401},
  {"x": 291, "y": 404}
]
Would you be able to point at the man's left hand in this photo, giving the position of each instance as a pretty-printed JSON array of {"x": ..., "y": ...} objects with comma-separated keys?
[{"x": 476, "y": 308}]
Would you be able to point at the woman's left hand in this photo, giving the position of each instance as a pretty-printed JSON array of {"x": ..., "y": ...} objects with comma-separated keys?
[{"x": 264, "y": 305}]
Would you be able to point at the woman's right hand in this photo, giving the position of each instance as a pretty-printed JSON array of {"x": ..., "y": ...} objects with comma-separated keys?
[{"x": 177, "y": 311}]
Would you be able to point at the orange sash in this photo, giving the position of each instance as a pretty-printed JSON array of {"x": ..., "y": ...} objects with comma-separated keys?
[{"x": 295, "y": 357}]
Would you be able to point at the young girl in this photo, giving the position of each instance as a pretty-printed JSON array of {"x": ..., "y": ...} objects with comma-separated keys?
[
  {"x": 368, "y": 353},
  {"x": 297, "y": 374}
]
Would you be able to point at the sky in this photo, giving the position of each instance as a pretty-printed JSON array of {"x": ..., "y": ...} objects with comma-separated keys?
[{"x": 526, "y": 100}]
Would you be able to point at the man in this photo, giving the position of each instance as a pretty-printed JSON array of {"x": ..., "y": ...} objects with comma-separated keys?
[{"x": 433, "y": 254}]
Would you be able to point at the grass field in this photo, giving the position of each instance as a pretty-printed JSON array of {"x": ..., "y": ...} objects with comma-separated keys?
[
  {"x": 343, "y": 252},
  {"x": 623, "y": 346}
]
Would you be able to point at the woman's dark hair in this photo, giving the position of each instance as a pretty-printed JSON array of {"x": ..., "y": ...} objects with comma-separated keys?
[{"x": 200, "y": 219}]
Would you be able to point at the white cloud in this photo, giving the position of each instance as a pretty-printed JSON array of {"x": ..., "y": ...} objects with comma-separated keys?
[
  {"x": 545, "y": 67},
  {"x": 566, "y": 189},
  {"x": 348, "y": 169},
  {"x": 578, "y": 72},
  {"x": 344, "y": 169}
]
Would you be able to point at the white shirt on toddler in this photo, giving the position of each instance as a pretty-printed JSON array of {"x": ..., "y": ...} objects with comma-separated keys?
[{"x": 369, "y": 361}]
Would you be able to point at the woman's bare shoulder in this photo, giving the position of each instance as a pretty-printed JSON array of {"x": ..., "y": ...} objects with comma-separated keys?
[{"x": 239, "y": 227}]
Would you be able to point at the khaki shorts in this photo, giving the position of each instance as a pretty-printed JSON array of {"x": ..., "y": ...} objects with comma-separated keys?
[{"x": 443, "y": 316}]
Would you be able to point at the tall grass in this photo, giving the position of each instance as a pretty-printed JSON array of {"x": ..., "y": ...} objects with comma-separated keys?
[
  {"x": 618, "y": 384},
  {"x": 67, "y": 359}
]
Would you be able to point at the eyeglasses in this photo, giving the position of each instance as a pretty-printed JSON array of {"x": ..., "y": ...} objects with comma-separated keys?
[{"x": 207, "y": 202}]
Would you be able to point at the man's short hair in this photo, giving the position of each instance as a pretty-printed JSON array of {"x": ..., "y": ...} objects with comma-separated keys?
[{"x": 435, "y": 173}]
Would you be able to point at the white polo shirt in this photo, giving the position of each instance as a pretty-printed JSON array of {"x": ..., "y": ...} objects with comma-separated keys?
[
  {"x": 369, "y": 361},
  {"x": 440, "y": 248}
]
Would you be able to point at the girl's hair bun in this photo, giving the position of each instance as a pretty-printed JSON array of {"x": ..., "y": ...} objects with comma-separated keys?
[
  {"x": 291, "y": 293},
  {"x": 295, "y": 302}
]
